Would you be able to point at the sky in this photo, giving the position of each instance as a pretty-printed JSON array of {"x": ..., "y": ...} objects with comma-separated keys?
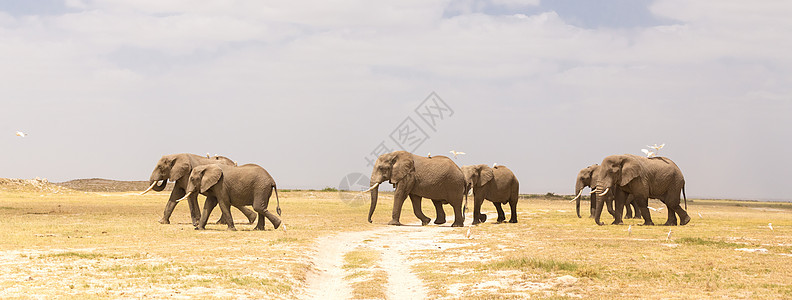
[{"x": 310, "y": 89}]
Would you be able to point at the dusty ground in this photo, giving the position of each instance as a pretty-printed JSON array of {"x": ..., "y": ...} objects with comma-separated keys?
[{"x": 64, "y": 243}]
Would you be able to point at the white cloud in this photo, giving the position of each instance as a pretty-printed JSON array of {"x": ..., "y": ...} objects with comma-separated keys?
[{"x": 316, "y": 63}]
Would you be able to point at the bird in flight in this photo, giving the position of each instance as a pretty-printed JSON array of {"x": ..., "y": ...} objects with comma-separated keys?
[
  {"x": 648, "y": 153},
  {"x": 455, "y": 153},
  {"x": 21, "y": 134}
]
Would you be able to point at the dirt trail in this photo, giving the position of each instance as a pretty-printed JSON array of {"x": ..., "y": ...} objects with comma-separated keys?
[{"x": 393, "y": 242}]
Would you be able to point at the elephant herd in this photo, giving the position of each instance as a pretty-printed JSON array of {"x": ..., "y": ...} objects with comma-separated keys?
[
  {"x": 619, "y": 181},
  {"x": 630, "y": 180}
]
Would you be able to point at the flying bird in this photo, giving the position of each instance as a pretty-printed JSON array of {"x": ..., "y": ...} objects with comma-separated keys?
[
  {"x": 21, "y": 134},
  {"x": 455, "y": 153},
  {"x": 648, "y": 153},
  {"x": 770, "y": 225}
]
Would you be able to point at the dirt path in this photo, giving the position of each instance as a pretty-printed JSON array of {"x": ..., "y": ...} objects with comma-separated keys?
[{"x": 393, "y": 242}]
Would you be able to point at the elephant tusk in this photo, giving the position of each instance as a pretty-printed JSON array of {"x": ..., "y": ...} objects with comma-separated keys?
[
  {"x": 185, "y": 197},
  {"x": 149, "y": 188},
  {"x": 605, "y": 192},
  {"x": 371, "y": 188},
  {"x": 578, "y": 195}
]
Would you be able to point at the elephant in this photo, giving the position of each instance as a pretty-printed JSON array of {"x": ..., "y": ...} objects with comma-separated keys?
[
  {"x": 644, "y": 178},
  {"x": 583, "y": 180},
  {"x": 435, "y": 177},
  {"x": 177, "y": 168},
  {"x": 225, "y": 185},
  {"x": 497, "y": 184}
]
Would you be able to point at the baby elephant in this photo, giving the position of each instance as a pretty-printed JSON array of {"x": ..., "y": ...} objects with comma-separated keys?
[
  {"x": 497, "y": 184},
  {"x": 230, "y": 185}
]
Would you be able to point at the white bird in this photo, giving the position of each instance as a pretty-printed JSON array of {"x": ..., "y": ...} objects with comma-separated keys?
[
  {"x": 648, "y": 153},
  {"x": 652, "y": 208},
  {"x": 207, "y": 155},
  {"x": 429, "y": 155},
  {"x": 494, "y": 165},
  {"x": 469, "y": 232},
  {"x": 284, "y": 227},
  {"x": 629, "y": 230},
  {"x": 656, "y": 147},
  {"x": 669, "y": 235},
  {"x": 455, "y": 153},
  {"x": 770, "y": 225},
  {"x": 21, "y": 134},
  {"x": 700, "y": 216}
]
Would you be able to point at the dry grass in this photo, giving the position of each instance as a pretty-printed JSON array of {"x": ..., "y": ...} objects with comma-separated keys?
[
  {"x": 86, "y": 245},
  {"x": 366, "y": 279}
]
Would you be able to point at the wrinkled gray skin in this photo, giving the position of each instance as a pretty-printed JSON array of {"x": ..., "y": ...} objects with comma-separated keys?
[
  {"x": 644, "y": 178},
  {"x": 230, "y": 186},
  {"x": 437, "y": 178},
  {"x": 497, "y": 184},
  {"x": 583, "y": 180},
  {"x": 177, "y": 168}
]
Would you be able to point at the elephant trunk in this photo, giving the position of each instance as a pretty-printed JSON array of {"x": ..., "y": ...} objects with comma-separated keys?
[
  {"x": 598, "y": 210},
  {"x": 160, "y": 187},
  {"x": 374, "y": 194},
  {"x": 578, "y": 191}
]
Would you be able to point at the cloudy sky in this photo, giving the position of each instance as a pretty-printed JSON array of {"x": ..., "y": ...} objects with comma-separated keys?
[{"x": 308, "y": 89}]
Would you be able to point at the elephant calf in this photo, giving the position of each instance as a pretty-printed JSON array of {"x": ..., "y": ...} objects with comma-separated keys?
[
  {"x": 238, "y": 186},
  {"x": 497, "y": 184}
]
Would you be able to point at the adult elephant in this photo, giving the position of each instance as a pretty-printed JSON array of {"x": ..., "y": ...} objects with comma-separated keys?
[
  {"x": 644, "y": 178},
  {"x": 497, "y": 184},
  {"x": 177, "y": 168},
  {"x": 437, "y": 178},
  {"x": 583, "y": 180},
  {"x": 228, "y": 186}
]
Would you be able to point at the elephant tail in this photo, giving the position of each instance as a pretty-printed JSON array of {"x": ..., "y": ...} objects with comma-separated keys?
[
  {"x": 684, "y": 196},
  {"x": 277, "y": 201}
]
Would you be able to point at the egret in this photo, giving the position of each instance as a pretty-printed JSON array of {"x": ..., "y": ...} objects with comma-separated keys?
[
  {"x": 648, "y": 153},
  {"x": 21, "y": 134},
  {"x": 455, "y": 153},
  {"x": 669, "y": 235},
  {"x": 629, "y": 230},
  {"x": 469, "y": 232},
  {"x": 770, "y": 225},
  {"x": 494, "y": 165},
  {"x": 429, "y": 155}
]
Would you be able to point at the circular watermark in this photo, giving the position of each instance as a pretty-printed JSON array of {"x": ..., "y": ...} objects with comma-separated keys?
[{"x": 350, "y": 188}]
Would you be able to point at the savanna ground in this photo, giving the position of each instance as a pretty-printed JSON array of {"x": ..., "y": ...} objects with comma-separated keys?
[{"x": 62, "y": 243}]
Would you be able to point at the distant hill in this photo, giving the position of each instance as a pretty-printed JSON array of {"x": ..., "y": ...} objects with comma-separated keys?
[
  {"x": 107, "y": 185},
  {"x": 36, "y": 184}
]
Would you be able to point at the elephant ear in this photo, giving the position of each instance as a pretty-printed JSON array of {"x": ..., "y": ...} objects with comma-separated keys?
[
  {"x": 403, "y": 166},
  {"x": 210, "y": 177},
  {"x": 180, "y": 168},
  {"x": 486, "y": 175},
  {"x": 630, "y": 170}
]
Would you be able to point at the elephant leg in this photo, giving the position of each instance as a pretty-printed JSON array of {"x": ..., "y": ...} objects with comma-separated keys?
[
  {"x": 209, "y": 205},
  {"x": 628, "y": 214},
  {"x": 398, "y": 201},
  {"x": 672, "y": 201},
  {"x": 195, "y": 210},
  {"x": 260, "y": 204},
  {"x": 643, "y": 204},
  {"x": 672, "y": 219},
  {"x": 609, "y": 204},
  {"x": 225, "y": 208},
  {"x": 618, "y": 204},
  {"x": 478, "y": 200},
  {"x": 501, "y": 213},
  {"x": 636, "y": 209},
  {"x": 459, "y": 216},
  {"x": 513, "y": 206},
  {"x": 249, "y": 213},
  {"x": 416, "y": 204},
  {"x": 176, "y": 194},
  {"x": 441, "y": 216}
]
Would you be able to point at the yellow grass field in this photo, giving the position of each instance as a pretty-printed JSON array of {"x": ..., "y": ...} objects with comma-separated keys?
[{"x": 82, "y": 245}]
